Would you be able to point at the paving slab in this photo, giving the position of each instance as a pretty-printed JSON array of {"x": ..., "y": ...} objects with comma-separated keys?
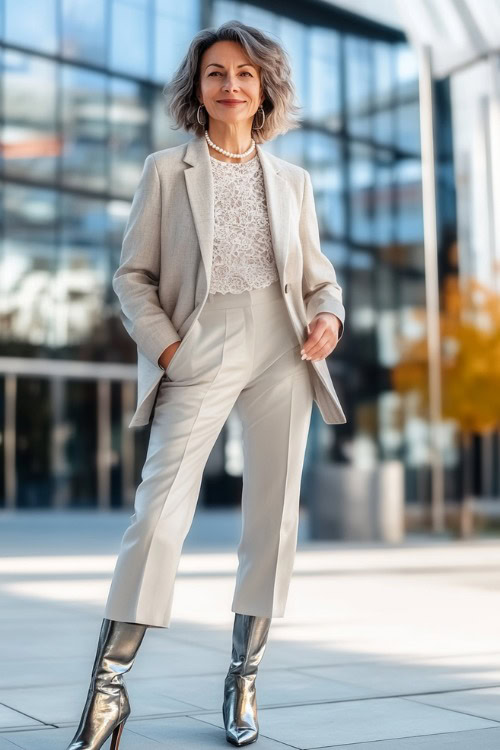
[
  {"x": 60, "y": 704},
  {"x": 370, "y": 720},
  {"x": 6, "y": 744},
  {"x": 50, "y": 739},
  {"x": 382, "y": 646},
  {"x": 482, "y": 739},
  {"x": 10, "y": 718},
  {"x": 484, "y": 702},
  {"x": 193, "y": 733},
  {"x": 415, "y": 677},
  {"x": 179, "y": 733},
  {"x": 274, "y": 687}
]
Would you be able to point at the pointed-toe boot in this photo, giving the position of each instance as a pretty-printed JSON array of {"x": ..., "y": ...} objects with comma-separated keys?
[
  {"x": 239, "y": 709},
  {"x": 107, "y": 706}
]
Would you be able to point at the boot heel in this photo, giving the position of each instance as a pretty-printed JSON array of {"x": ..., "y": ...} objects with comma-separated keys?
[{"x": 117, "y": 733}]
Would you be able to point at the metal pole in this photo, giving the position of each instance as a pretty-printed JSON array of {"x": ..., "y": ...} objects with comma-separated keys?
[
  {"x": 103, "y": 444},
  {"x": 10, "y": 471},
  {"x": 494, "y": 179},
  {"x": 493, "y": 160},
  {"x": 431, "y": 281},
  {"x": 61, "y": 495}
]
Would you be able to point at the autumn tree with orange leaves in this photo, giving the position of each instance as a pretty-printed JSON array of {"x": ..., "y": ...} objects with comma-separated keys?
[{"x": 470, "y": 363}]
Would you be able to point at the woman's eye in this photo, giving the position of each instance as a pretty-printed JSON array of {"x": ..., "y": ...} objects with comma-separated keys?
[{"x": 214, "y": 72}]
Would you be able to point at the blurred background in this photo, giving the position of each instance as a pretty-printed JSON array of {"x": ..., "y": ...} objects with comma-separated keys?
[{"x": 400, "y": 133}]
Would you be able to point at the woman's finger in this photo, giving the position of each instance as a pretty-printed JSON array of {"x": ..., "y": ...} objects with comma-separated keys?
[{"x": 322, "y": 347}]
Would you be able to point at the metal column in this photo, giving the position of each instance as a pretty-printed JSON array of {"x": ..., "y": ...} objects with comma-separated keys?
[{"x": 431, "y": 282}]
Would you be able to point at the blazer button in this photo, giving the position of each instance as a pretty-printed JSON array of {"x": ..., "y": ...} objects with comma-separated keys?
[{"x": 286, "y": 287}]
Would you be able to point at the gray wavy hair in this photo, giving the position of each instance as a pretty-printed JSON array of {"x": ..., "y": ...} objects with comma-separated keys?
[{"x": 279, "y": 105}]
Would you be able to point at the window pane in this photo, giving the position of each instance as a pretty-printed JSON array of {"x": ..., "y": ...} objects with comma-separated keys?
[
  {"x": 130, "y": 39},
  {"x": 185, "y": 11},
  {"x": 83, "y": 271},
  {"x": 338, "y": 253},
  {"x": 80, "y": 446},
  {"x": 384, "y": 73},
  {"x": 83, "y": 33},
  {"x": 324, "y": 94},
  {"x": 30, "y": 138},
  {"x": 361, "y": 179},
  {"x": 384, "y": 201},
  {"x": 223, "y": 10},
  {"x": 130, "y": 115},
  {"x": 31, "y": 23},
  {"x": 168, "y": 56},
  {"x": 177, "y": 22},
  {"x": 409, "y": 227},
  {"x": 33, "y": 449},
  {"x": 262, "y": 19},
  {"x": 28, "y": 267},
  {"x": 359, "y": 85},
  {"x": 362, "y": 307},
  {"x": 291, "y": 146},
  {"x": 84, "y": 128},
  {"x": 294, "y": 37},
  {"x": 323, "y": 155},
  {"x": 406, "y": 71},
  {"x": 408, "y": 127},
  {"x": 384, "y": 124}
]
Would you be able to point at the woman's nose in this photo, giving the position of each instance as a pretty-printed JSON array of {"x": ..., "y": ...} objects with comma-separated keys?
[{"x": 230, "y": 82}]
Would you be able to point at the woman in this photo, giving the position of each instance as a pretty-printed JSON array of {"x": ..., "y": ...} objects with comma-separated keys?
[{"x": 224, "y": 288}]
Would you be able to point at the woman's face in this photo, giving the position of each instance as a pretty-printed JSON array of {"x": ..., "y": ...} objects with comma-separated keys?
[{"x": 227, "y": 73}]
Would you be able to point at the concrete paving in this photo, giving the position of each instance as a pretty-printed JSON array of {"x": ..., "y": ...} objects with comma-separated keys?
[{"x": 382, "y": 647}]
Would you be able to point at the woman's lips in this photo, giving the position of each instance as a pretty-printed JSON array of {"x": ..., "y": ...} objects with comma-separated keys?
[{"x": 230, "y": 104}]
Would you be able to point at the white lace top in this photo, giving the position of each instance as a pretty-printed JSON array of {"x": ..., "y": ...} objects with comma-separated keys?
[{"x": 243, "y": 255}]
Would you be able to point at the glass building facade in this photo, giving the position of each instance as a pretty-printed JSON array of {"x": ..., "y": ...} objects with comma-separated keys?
[{"x": 81, "y": 107}]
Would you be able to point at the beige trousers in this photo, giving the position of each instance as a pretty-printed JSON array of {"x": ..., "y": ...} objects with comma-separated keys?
[{"x": 241, "y": 351}]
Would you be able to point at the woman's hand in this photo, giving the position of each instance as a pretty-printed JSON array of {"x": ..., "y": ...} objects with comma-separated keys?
[
  {"x": 323, "y": 336},
  {"x": 167, "y": 354}
]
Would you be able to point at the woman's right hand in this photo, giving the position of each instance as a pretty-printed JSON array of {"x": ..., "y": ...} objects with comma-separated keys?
[{"x": 167, "y": 354}]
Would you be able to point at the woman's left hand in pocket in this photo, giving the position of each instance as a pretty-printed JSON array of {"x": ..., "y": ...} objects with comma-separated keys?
[{"x": 323, "y": 336}]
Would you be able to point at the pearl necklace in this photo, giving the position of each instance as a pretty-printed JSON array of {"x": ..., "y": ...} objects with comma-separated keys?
[{"x": 228, "y": 153}]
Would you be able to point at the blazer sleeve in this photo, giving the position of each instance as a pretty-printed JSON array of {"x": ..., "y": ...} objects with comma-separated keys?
[
  {"x": 320, "y": 289},
  {"x": 135, "y": 281}
]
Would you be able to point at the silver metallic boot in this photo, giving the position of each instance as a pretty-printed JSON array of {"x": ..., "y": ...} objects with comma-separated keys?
[
  {"x": 239, "y": 709},
  {"x": 107, "y": 706}
]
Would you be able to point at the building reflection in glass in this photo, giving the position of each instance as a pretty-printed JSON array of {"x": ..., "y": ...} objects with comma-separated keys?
[{"x": 82, "y": 108}]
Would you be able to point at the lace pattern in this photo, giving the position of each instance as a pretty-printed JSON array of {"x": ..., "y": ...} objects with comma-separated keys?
[{"x": 243, "y": 255}]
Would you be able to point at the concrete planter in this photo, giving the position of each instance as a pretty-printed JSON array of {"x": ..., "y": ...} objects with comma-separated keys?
[{"x": 351, "y": 503}]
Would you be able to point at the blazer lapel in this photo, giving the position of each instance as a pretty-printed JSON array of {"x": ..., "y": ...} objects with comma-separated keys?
[
  {"x": 278, "y": 207},
  {"x": 200, "y": 189}
]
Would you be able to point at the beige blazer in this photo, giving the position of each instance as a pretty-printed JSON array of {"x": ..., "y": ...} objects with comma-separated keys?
[{"x": 163, "y": 278}]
